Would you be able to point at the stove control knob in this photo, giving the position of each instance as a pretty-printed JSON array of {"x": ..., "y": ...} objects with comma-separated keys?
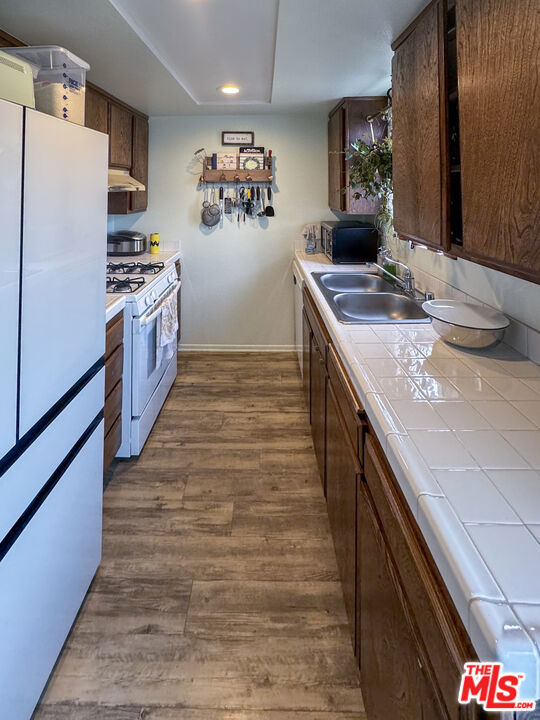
[
  {"x": 148, "y": 300},
  {"x": 154, "y": 296},
  {"x": 172, "y": 277}
]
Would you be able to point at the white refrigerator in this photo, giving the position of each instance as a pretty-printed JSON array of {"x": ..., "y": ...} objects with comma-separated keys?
[{"x": 53, "y": 216}]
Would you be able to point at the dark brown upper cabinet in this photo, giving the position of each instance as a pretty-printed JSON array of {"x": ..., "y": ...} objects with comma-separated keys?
[
  {"x": 464, "y": 137},
  {"x": 347, "y": 123},
  {"x": 497, "y": 55},
  {"x": 416, "y": 130},
  {"x": 139, "y": 168},
  {"x": 96, "y": 111},
  {"x": 128, "y": 145},
  {"x": 120, "y": 133}
]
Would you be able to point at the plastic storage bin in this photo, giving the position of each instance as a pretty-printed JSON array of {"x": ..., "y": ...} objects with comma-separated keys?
[{"x": 59, "y": 87}]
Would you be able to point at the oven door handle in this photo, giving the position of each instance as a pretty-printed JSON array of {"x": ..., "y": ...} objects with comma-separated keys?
[{"x": 147, "y": 319}]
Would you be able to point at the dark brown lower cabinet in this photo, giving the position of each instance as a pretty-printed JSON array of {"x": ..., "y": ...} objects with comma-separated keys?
[
  {"x": 306, "y": 350},
  {"x": 409, "y": 639},
  {"x": 343, "y": 471},
  {"x": 393, "y": 681},
  {"x": 114, "y": 361},
  {"x": 317, "y": 374},
  {"x": 316, "y": 340}
]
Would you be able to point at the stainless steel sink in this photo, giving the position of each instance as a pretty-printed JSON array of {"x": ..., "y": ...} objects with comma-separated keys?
[
  {"x": 353, "y": 282},
  {"x": 357, "y": 298},
  {"x": 370, "y": 307}
]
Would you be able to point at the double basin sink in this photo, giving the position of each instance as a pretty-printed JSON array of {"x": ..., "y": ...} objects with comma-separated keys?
[{"x": 358, "y": 298}]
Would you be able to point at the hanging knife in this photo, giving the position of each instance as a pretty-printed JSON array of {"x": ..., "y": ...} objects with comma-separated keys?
[{"x": 221, "y": 205}]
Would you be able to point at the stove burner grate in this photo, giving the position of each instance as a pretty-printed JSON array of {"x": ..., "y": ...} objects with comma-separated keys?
[
  {"x": 124, "y": 285},
  {"x": 135, "y": 267}
]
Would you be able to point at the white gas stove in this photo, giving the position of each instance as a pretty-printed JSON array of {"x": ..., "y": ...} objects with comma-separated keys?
[{"x": 148, "y": 372}]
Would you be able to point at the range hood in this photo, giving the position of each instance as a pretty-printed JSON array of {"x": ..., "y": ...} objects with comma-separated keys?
[{"x": 121, "y": 181}]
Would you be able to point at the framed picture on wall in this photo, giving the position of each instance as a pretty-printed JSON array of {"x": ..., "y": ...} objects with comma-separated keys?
[{"x": 237, "y": 137}]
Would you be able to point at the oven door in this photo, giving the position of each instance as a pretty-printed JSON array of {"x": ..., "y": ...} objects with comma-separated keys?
[{"x": 146, "y": 370}]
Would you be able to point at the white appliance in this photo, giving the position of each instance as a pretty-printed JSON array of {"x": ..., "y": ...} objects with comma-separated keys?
[
  {"x": 148, "y": 374},
  {"x": 53, "y": 217},
  {"x": 11, "y": 122},
  {"x": 16, "y": 80}
]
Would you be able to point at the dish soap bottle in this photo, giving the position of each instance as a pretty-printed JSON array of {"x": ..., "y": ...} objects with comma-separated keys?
[{"x": 311, "y": 243}]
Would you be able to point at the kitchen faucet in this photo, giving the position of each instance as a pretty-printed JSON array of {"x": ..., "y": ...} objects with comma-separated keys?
[{"x": 407, "y": 281}]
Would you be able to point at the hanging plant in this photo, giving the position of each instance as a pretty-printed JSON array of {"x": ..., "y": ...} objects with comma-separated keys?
[{"x": 370, "y": 170}]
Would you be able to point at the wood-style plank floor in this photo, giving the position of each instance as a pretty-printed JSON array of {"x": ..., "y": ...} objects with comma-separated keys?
[{"x": 218, "y": 596}]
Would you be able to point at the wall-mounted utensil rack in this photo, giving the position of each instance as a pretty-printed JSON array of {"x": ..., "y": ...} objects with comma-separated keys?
[{"x": 264, "y": 175}]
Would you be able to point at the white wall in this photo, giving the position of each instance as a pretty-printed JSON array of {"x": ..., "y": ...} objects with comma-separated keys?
[
  {"x": 237, "y": 285},
  {"x": 470, "y": 282}
]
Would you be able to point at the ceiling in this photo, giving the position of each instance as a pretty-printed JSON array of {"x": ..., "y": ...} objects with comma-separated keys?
[{"x": 169, "y": 57}]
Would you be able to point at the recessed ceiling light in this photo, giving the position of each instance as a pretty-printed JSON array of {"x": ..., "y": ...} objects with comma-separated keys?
[{"x": 230, "y": 89}]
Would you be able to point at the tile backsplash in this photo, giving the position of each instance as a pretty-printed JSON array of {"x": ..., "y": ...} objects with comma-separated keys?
[{"x": 460, "y": 279}]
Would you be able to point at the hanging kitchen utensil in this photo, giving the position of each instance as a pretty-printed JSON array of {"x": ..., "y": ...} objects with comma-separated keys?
[
  {"x": 269, "y": 209},
  {"x": 214, "y": 207},
  {"x": 260, "y": 196},
  {"x": 210, "y": 214},
  {"x": 205, "y": 198},
  {"x": 205, "y": 205},
  {"x": 228, "y": 204},
  {"x": 242, "y": 201},
  {"x": 221, "y": 206},
  {"x": 237, "y": 204}
]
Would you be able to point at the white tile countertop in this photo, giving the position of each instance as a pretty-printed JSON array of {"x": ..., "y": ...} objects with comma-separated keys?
[
  {"x": 114, "y": 303},
  {"x": 461, "y": 431}
]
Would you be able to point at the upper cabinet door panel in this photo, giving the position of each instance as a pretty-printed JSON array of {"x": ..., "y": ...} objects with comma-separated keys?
[
  {"x": 120, "y": 132},
  {"x": 498, "y": 53},
  {"x": 11, "y": 122},
  {"x": 139, "y": 169},
  {"x": 336, "y": 160},
  {"x": 96, "y": 111},
  {"x": 64, "y": 256},
  {"x": 416, "y": 127}
]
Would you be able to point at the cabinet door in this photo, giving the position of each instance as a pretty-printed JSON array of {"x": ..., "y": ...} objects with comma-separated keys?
[
  {"x": 138, "y": 201},
  {"x": 298, "y": 307},
  {"x": 96, "y": 111},
  {"x": 336, "y": 160},
  {"x": 498, "y": 86},
  {"x": 11, "y": 144},
  {"x": 416, "y": 131},
  {"x": 393, "y": 682},
  {"x": 318, "y": 405},
  {"x": 342, "y": 471},
  {"x": 306, "y": 352},
  {"x": 120, "y": 137}
]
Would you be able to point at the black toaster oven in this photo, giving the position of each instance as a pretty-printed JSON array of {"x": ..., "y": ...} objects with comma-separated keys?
[{"x": 349, "y": 241}]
